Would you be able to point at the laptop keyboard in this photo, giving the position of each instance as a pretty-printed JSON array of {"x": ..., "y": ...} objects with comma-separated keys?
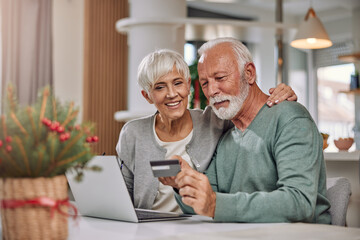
[{"x": 151, "y": 215}]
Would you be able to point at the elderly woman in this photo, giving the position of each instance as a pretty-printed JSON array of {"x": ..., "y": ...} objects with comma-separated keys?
[{"x": 173, "y": 130}]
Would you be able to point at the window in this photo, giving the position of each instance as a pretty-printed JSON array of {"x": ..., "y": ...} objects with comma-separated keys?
[
  {"x": 336, "y": 110},
  {"x": 190, "y": 53}
]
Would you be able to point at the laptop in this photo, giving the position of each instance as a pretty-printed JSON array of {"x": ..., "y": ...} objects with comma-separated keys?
[{"x": 104, "y": 194}]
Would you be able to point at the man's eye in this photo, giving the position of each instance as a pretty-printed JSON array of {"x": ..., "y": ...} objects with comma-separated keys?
[
  {"x": 220, "y": 78},
  {"x": 159, "y": 87},
  {"x": 204, "y": 84}
]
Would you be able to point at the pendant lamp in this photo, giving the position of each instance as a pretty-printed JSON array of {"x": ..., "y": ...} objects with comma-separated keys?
[{"x": 311, "y": 33}]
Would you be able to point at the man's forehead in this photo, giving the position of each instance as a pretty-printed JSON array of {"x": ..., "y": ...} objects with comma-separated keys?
[{"x": 222, "y": 61}]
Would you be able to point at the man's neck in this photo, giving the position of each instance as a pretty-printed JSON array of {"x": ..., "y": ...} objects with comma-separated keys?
[{"x": 252, "y": 105}]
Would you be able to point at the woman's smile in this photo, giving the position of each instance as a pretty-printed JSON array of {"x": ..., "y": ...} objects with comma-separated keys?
[{"x": 173, "y": 104}]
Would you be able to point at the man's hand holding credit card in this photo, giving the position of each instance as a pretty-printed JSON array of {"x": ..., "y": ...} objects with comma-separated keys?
[{"x": 165, "y": 168}]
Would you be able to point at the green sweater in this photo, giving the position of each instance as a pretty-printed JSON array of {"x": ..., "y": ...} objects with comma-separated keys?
[{"x": 274, "y": 171}]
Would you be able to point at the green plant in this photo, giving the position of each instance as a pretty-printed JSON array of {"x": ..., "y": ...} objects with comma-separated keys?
[
  {"x": 43, "y": 140},
  {"x": 197, "y": 97}
]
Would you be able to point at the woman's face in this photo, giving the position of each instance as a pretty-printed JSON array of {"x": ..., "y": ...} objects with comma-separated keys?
[{"x": 170, "y": 94}]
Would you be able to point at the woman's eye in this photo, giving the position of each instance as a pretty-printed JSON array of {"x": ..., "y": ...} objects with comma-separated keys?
[
  {"x": 159, "y": 87},
  {"x": 178, "y": 83}
]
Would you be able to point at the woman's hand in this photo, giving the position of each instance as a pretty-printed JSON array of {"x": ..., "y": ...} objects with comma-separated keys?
[
  {"x": 280, "y": 93},
  {"x": 170, "y": 181}
]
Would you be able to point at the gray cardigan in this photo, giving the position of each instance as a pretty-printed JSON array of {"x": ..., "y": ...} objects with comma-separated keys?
[{"x": 137, "y": 146}]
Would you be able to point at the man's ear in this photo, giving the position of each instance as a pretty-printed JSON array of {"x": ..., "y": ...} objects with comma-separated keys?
[
  {"x": 250, "y": 73},
  {"x": 189, "y": 85},
  {"x": 146, "y": 96}
]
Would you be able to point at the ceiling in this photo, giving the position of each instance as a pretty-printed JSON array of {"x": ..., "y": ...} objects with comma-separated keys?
[{"x": 327, "y": 10}]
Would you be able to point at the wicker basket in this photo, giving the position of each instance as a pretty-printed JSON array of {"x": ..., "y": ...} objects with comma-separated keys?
[{"x": 33, "y": 222}]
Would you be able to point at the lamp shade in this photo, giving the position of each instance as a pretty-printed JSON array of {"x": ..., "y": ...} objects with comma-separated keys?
[{"x": 311, "y": 33}]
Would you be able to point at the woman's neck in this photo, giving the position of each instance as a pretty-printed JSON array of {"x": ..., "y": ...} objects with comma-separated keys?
[{"x": 169, "y": 130}]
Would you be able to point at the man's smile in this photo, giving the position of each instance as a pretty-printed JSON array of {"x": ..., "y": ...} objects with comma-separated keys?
[{"x": 222, "y": 103}]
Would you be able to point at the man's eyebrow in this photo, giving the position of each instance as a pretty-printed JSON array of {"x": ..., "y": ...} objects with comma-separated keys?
[{"x": 220, "y": 72}]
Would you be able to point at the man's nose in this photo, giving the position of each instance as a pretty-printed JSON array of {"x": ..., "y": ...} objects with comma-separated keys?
[{"x": 213, "y": 89}]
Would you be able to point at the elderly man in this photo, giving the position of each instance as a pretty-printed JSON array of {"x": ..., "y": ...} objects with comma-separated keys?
[{"x": 269, "y": 167}]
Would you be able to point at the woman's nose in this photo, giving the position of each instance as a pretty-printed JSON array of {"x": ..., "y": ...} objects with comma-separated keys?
[{"x": 171, "y": 93}]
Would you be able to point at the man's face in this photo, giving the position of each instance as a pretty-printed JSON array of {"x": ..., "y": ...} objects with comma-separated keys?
[{"x": 221, "y": 81}]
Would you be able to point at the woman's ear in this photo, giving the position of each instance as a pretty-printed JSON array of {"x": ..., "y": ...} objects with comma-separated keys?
[{"x": 146, "y": 96}]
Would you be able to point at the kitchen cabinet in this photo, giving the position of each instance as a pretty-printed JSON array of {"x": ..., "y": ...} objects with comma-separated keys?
[{"x": 346, "y": 164}]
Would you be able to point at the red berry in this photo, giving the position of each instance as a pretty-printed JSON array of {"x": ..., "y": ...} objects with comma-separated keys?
[
  {"x": 60, "y": 129},
  {"x": 77, "y": 127},
  {"x": 67, "y": 135},
  {"x": 8, "y": 139},
  {"x": 8, "y": 148},
  {"x": 46, "y": 122},
  {"x": 95, "y": 138},
  {"x": 54, "y": 126},
  {"x": 1, "y": 143},
  {"x": 89, "y": 139},
  {"x": 62, "y": 137}
]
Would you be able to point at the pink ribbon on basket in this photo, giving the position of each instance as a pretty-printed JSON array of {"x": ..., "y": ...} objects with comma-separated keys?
[{"x": 42, "y": 201}]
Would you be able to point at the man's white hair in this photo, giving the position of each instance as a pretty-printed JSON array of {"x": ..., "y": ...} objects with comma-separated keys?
[
  {"x": 159, "y": 63},
  {"x": 242, "y": 53}
]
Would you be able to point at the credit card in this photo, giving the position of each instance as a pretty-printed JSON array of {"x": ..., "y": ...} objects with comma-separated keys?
[{"x": 165, "y": 168}]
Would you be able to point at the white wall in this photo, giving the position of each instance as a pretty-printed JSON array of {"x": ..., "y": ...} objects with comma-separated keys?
[{"x": 68, "y": 51}]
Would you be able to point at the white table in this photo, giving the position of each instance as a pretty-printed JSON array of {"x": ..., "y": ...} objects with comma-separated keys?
[
  {"x": 198, "y": 227},
  {"x": 95, "y": 228}
]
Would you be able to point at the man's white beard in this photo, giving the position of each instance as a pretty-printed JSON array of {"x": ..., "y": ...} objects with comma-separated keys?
[{"x": 235, "y": 103}]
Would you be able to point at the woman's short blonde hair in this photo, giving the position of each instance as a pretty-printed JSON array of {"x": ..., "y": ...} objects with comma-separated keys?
[{"x": 159, "y": 63}]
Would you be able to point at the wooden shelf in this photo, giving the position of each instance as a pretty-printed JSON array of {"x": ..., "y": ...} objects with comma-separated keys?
[
  {"x": 353, "y": 91},
  {"x": 342, "y": 156},
  {"x": 352, "y": 58}
]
